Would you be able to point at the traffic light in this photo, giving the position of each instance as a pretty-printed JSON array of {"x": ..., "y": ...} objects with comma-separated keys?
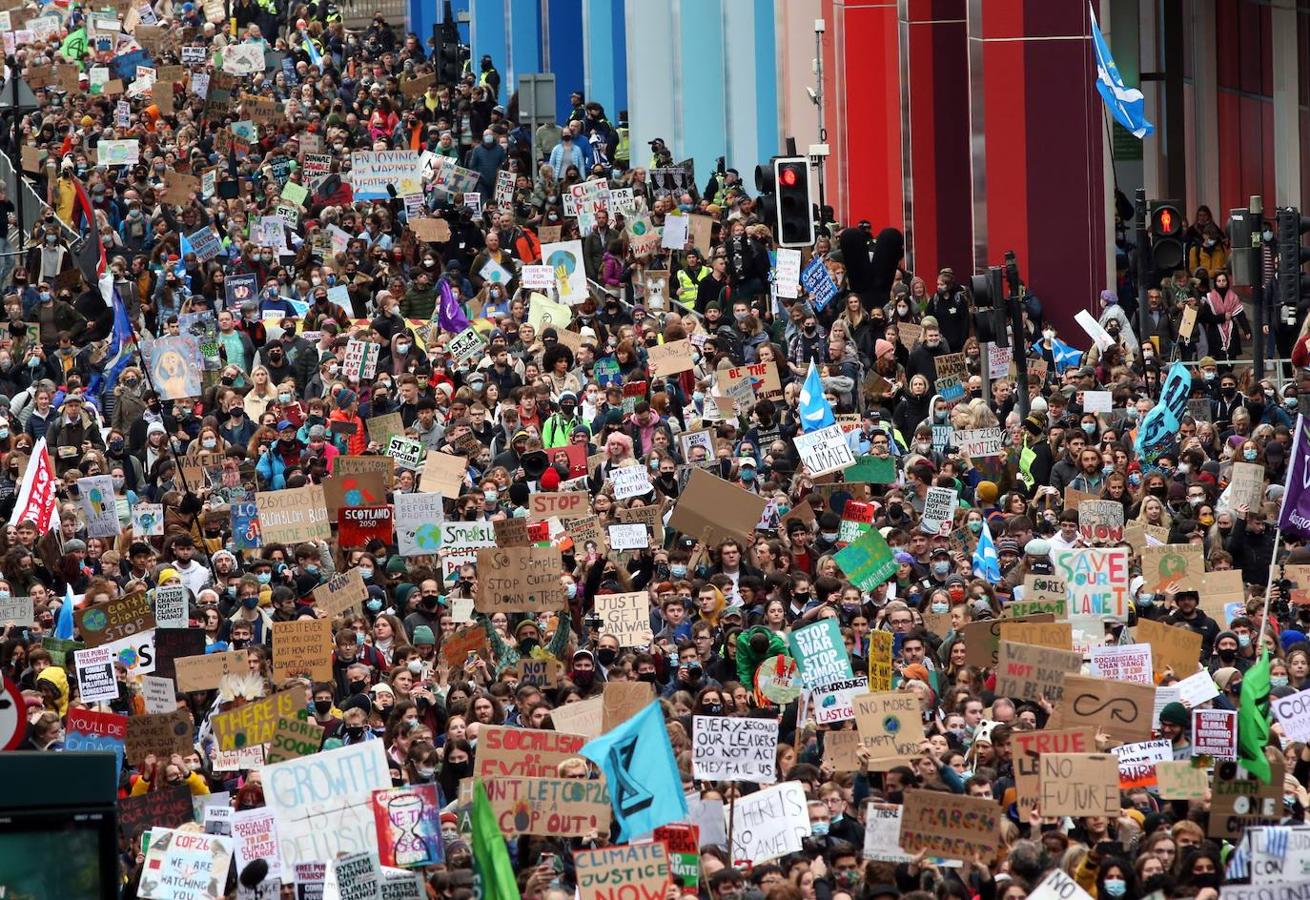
[
  {"x": 989, "y": 316},
  {"x": 794, "y": 211},
  {"x": 1166, "y": 229},
  {"x": 1292, "y": 285},
  {"x": 450, "y": 53},
  {"x": 767, "y": 202}
]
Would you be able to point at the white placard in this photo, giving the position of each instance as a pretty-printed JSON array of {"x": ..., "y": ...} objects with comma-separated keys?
[
  {"x": 939, "y": 510},
  {"x": 729, "y": 748},
  {"x": 1058, "y": 886},
  {"x": 1196, "y": 689},
  {"x": 676, "y": 229},
  {"x": 1094, "y": 329},
  {"x": 769, "y": 824},
  {"x": 1098, "y": 401},
  {"x": 1123, "y": 662},
  {"x": 835, "y": 701},
  {"x": 538, "y": 278},
  {"x": 629, "y": 537},
  {"x": 882, "y": 833},
  {"x": 630, "y": 481},
  {"x": 96, "y": 682},
  {"x": 159, "y": 693},
  {"x": 787, "y": 273},
  {"x": 824, "y": 451},
  {"x": 1293, "y": 713}
]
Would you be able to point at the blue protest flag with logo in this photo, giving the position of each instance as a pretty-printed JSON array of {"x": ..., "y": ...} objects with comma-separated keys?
[
  {"x": 642, "y": 776},
  {"x": 1160, "y": 426}
]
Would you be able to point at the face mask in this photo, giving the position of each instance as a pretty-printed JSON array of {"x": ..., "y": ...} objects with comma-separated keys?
[
  {"x": 1227, "y": 654},
  {"x": 1145, "y": 599},
  {"x": 1243, "y": 640},
  {"x": 415, "y": 666},
  {"x": 311, "y": 569},
  {"x": 1089, "y": 428},
  {"x": 209, "y": 443},
  {"x": 250, "y": 602},
  {"x": 607, "y": 655},
  {"x": 941, "y": 569},
  {"x": 941, "y": 606},
  {"x": 1210, "y": 376},
  {"x": 1289, "y": 403},
  {"x": 322, "y": 707},
  {"x": 366, "y": 574},
  {"x": 355, "y": 731},
  {"x": 940, "y": 416},
  {"x": 1248, "y": 454},
  {"x": 976, "y": 526},
  {"x": 1114, "y": 887},
  {"x": 357, "y": 687},
  {"x": 119, "y": 483},
  {"x": 374, "y": 605},
  {"x": 571, "y": 591},
  {"x": 402, "y": 349},
  {"x": 264, "y": 577},
  {"x": 829, "y": 536},
  {"x": 678, "y": 571},
  {"x": 819, "y": 829}
]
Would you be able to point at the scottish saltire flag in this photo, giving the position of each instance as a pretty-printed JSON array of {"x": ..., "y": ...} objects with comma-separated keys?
[
  {"x": 986, "y": 564},
  {"x": 640, "y": 772},
  {"x": 307, "y": 44},
  {"x": 1294, "y": 514},
  {"x": 1065, "y": 357},
  {"x": 121, "y": 342},
  {"x": 815, "y": 410},
  {"x": 1126, "y": 104},
  {"x": 64, "y": 625}
]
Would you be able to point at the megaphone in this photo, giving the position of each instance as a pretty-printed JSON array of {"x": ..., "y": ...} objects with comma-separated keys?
[{"x": 534, "y": 464}]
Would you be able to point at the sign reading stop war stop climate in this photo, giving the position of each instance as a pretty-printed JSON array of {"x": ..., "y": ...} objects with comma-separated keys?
[
  {"x": 519, "y": 579},
  {"x": 734, "y": 749},
  {"x": 820, "y": 653},
  {"x": 557, "y": 807}
]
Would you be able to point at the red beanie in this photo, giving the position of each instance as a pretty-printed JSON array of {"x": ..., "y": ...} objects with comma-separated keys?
[{"x": 550, "y": 479}]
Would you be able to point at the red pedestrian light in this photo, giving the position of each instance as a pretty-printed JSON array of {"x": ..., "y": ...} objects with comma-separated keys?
[{"x": 787, "y": 177}]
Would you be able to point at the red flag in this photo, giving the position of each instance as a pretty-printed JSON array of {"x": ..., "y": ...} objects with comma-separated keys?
[{"x": 36, "y": 498}]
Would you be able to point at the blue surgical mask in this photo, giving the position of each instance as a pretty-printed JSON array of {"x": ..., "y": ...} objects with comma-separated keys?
[
  {"x": 491, "y": 496},
  {"x": 1145, "y": 599},
  {"x": 748, "y": 474},
  {"x": 1114, "y": 887},
  {"x": 941, "y": 569},
  {"x": 374, "y": 605},
  {"x": 941, "y": 606},
  {"x": 4, "y": 595},
  {"x": 1089, "y": 428},
  {"x": 819, "y": 829},
  {"x": 1278, "y": 681},
  {"x": 678, "y": 571},
  {"x": 311, "y": 569},
  {"x": 264, "y": 577},
  {"x": 1243, "y": 640},
  {"x": 365, "y": 574},
  {"x": 571, "y": 591},
  {"x": 1249, "y": 454},
  {"x": 976, "y": 526}
]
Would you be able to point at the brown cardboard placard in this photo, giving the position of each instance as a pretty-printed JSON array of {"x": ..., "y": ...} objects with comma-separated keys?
[
  {"x": 202, "y": 673},
  {"x": 162, "y": 734},
  {"x": 457, "y": 646},
  {"x": 1172, "y": 647},
  {"x": 982, "y": 640},
  {"x": 1027, "y": 747},
  {"x": 1079, "y": 784},
  {"x": 103, "y": 623},
  {"x": 519, "y": 579},
  {"x": 359, "y": 465},
  {"x": 643, "y": 866},
  {"x": 303, "y": 647},
  {"x": 443, "y": 473},
  {"x": 1121, "y": 709},
  {"x": 1030, "y": 671},
  {"x": 1182, "y": 779},
  {"x": 622, "y": 701},
  {"x": 554, "y": 807},
  {"x": 950, "y": 825},
  {"x": 368, "y": 488},
  {"x": 435, "y": 231},
  {"x": 711, "y": 510},
  {"x": 1176, "y": 567},
  {"x": 888, "y": 723},
  {"x": 522, "y": 752},
  {"x": 293, "y": 516},
  {"x": 293, "y": 738},
  {"x": 670, "y": 358},
  {"x": 381, "y": 429},
  {"x": 255, "y": 722},
  {"x": 341, "y": 592}
]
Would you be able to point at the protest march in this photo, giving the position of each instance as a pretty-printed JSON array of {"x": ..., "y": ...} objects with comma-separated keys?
[{"x": 409, "y": 498}]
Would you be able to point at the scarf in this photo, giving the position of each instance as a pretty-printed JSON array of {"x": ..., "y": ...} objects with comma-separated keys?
[{"x": 1223, "y": 305}]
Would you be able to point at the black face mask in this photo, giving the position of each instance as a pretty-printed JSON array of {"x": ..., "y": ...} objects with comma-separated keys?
[
  {"x": 648, "y": 677},
  {"x": 713, "y": 709},
  {"x": 607, "y": 655},
  {"x": 460, "y": 770},
  {"x": 1228, "y": 655},
  {"x": 355, "y": 731},
  {"x": 322, "y": 707},
  {"x": 357, "y": 687},
  {"x": 430, "y": 602},
  {"x": 527, "y": 645}
]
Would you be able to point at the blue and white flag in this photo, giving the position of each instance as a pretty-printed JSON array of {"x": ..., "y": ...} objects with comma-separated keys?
[
  {"x": 1126, "y": 104},
  {"x": 1065, "y": 356},
  {"x": 64, "y": 624},
  {"x": 986, "y": 564},
  {"x": 640, "y": 772},
  {"x": 815, "y": 410}
]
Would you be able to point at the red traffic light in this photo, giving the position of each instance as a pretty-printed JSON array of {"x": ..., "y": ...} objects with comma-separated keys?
[
  {"x": 1166, "y": 221},
  {"x": 787, "y": 177}
]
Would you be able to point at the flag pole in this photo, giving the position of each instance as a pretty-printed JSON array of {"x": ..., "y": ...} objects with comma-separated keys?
[
  {"x": 732, "y": 810},
  {"x": 1278, "y": 531}
]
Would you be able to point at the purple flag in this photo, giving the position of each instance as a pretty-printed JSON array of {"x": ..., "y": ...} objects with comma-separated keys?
[
  {"x": 1294, "y": 515},
  {"x": 450, "y": 315}
]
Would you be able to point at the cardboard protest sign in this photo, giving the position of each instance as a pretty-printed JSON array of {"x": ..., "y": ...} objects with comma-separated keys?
[
  {"x": 1122, "y": 710},
  {"x": 1172, "y": 567},
  {"x": 889, "y": 724},
  {"x": 882, "y": 833},
  {"x": 341, "y": 592},
  {"x": 712, "y": 510},
  {"x": 867, "y": 561},
  {"x": 303, "y": 647},
  {"x": 161, "y": 808},
  {"x": 622, "y": 701},
  {"x": 835, "y": 701},
  {"x": 1041, "y": 594},
  {"x": 734, "y": 749},
  {"x": 820, "y": 653},
  {"x": 949, "y": 825},
  {"x": 408, "y": 821},
  {"x": 880, "y": 660},
  {"x": 1246, "y": 485},
  {"x": 626, "y": 616},
  {"x": 254, "y": 834},
  {"x": 565, "y": 505},
  {"x": 559, "y": 807},
  {"x": 104, "y": 623},
  {"x": 183, "y": 865},
  {"x": 519, "y": 579},
  {"x": 1027, "y": 748},
  {"x": 96, "y": 680},
  {"x": 1056, "y": 635},
  {"x": 670, "y": 358},
  {"x": 543, "y": 673},
  {"x": 1096, "y": 579},
  {"x": 464, "y": 644},
  {"x": 1079, "y": 784},
  {"x": 770, "y": 823},
  {"x": 1030, "y": 672},
  {"x": 293, "y": 516},
  {"x": 1239, "y": 799},
  {"x": 443, "y": 473},
  {"x": 361, "y": 490},
  {"x": 642, "y": 868},
  {"x": 1182, "y": 779},
  {"x": 1101, "y": 521},
  {"x": 1172, "y": 647},
  {"x": 162, "y": 734},
  {"x": 334, "y": 784},
  {"x": 1293, "y": 713},
  {"x": 982, "y": 640},
  {"x": 585, "y": 717},
  {"x": 420, "y": 523},
  {"x": 1058, "y": 886},
  {"x": 1123, "y": 662},
  {"x": 293, "y": 738},
  {"x": 1137, "y": 762},
  {"x": 683, "y": 843},
  {"x": 381, "y": 429},
  {"x": 255, "y": 722},
  {"x": 523, "y": 752},
  {"x": 357, "y": 525},
  {"x": 839, "y": 750},
  {"x": 202, "y": 673},
  {"x": 1214, "y": 733}
]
